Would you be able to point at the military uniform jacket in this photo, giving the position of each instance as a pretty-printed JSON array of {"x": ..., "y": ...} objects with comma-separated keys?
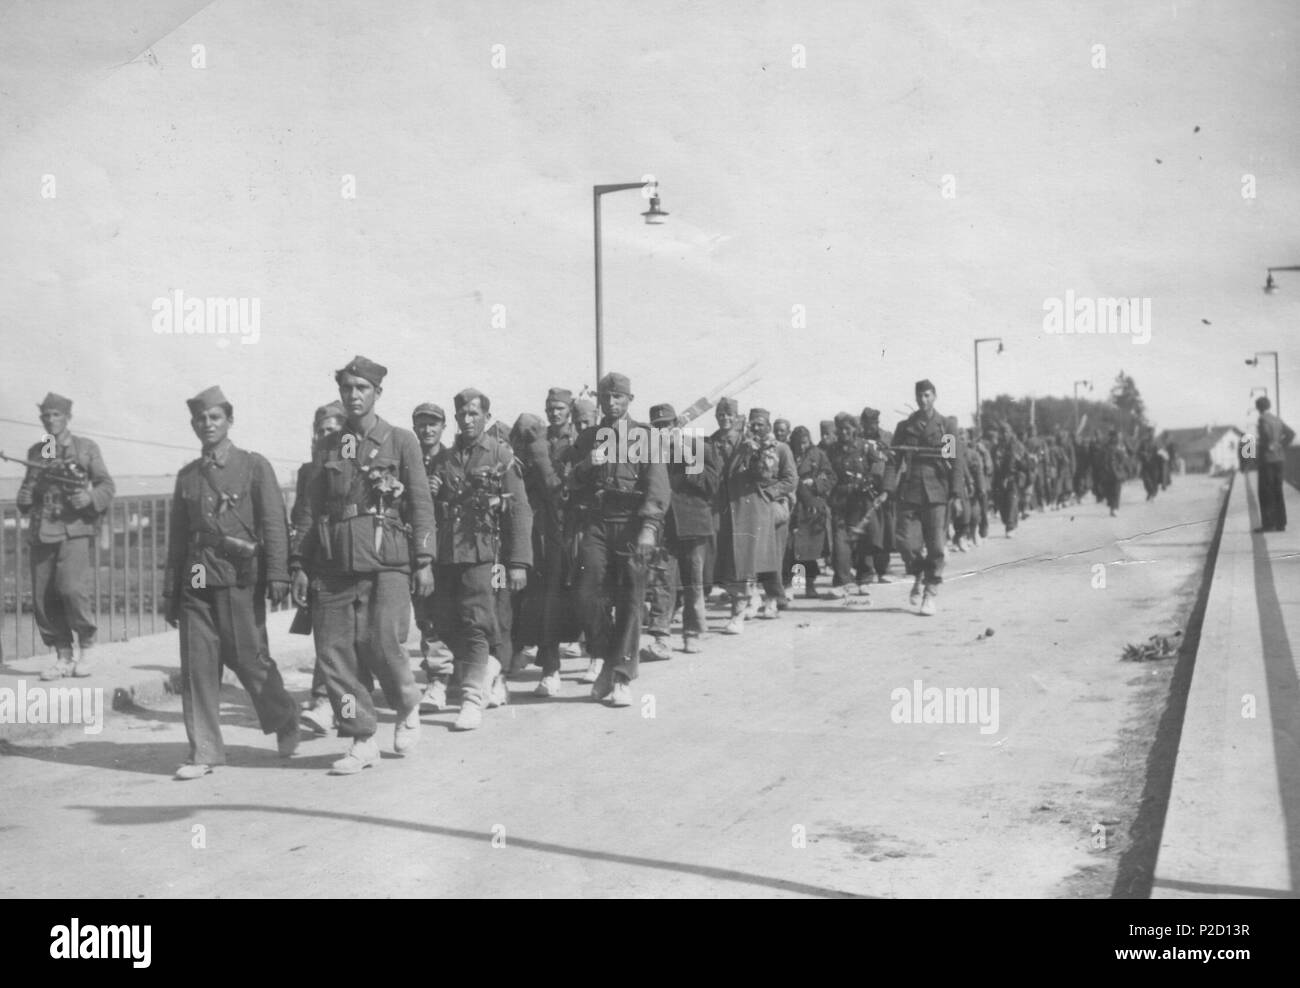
[
  {"x": 347, "y": 503},
  {"x": 229, "y": 492},
  {"x": 468, "y": 532},
  {"x": 927, "y": 479},
  {"x": 1010, "y": 462},
  {"x": 53, "y": 519},
  {"x": 859, "y": 469},
  {"x": 618, "y": 489},
  {"x": 690, "y": 512}
]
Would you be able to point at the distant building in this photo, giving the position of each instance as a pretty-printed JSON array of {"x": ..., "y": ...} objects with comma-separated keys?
[{"x": 1209, "y": 449}]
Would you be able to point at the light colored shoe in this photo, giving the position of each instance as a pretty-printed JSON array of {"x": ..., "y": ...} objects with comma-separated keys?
[
  {"x": 571, "y": 650},
  {"x": 657, "y": 650},
  {"x": 882, "y": 578},
  {"x": 406, "y": 735},
  {"x": 63, "y": 665},
  {"x": 691, "y": 645},
  {"x": 835, "y": 593},
  {"x": 84, "y": 666},
  {"x": 914, "y": 598},
  {"x": 592, "y": 674},
  {"x": 319, "y": 716},
  {"x": 434, "y": 698},
  {"x": 754, "y": 606},
  {"x": 362, "y": 755},
  {"x": 736, "y": 626},
  {"x": 191, "y": 771},
  {"x": 927, "y": 604},
  {"x": 621, "y": 694},
  {"x": 469, "y": 718},
  {"x": 550, "y": 685},
  {"x": 286, "y": 741},
  {"x": 769, "y": 611}
]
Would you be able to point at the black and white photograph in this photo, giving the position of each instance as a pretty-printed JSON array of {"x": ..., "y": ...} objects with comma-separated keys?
[{"x": 752, "y": 449}]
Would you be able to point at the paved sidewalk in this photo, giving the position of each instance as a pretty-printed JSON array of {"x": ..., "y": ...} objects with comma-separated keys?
[
  {"x": 143, "y": 670},
  {"x": 1233, "y": 825}
]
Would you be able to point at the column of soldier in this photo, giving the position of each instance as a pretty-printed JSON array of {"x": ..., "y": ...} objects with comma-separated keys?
[{"x": 511, "y": 546}]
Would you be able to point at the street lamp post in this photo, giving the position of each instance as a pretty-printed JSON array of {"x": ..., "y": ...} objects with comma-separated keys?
[
  {"x": 978, "y": 409},
  {"x": 653, "y": 217},
  {"x": 1076, "y": 403},
  {"x": 1277, "y": 393}
]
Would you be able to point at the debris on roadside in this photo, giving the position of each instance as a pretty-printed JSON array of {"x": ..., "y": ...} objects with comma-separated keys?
[{"x": 1155, "y": 647}]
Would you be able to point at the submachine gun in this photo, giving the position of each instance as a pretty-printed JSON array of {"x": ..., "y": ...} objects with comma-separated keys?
[{"x": 66, "y": 473}]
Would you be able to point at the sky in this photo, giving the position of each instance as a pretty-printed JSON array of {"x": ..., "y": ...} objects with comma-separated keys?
[{"x": 857, "y": 191}]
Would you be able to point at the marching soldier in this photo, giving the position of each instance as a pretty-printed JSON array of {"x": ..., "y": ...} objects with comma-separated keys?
[
  {"x": 329, "y": 418},
  {"x": 1009, "y": 468},
  {"x": 485, "y": 527},
  {"x": 688, "y": 530},
  {"x": 429, "y": 420},
  {"x": 1274, "y": 436},
  {"x": 558, "y": 618},
  {"x": 781, "y": 431},
  {"x": 1113, "y": 469},
  {"x": 757, "y": 479},
  {"x": 810, "y": 520},
  {"x": 923, "y": 490},
  {"x": 880, "y": 524},
  {"x": 66, "y": 489},
  {"x": 723, "y": 441},
  {"x": 620, "y": 508},
  {"x": 227, "y": 543},
  {"x": 368, "y": 522},
  {"x": 857, "y": 478}
]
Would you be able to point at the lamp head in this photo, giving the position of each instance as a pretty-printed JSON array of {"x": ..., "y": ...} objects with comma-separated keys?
[
  {"x": 1270, "y": 286},
  {"x": 654, "y": 216}
]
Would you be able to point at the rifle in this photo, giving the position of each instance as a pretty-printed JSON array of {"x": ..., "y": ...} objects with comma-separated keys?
[
  {"x": 704, "y": 403},
  {"x": 63, "y": 472}
]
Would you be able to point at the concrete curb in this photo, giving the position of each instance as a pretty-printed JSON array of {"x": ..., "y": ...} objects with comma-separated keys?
[{"x": 1231, "y": 829}]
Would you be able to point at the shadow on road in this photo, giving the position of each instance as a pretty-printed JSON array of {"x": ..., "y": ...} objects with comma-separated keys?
[{"x": 126, "y": 816}]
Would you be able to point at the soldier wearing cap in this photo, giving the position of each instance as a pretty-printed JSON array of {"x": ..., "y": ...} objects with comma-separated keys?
[
  {"x": 729, "y": 434},
  {"x": 66, "y": 497},
  {"x": 484, "y": 549},
  {"x": 781, "y": 431},
  {"x": 227, "y": 544},
  {"x": 553, "y": 565},
  {"x": 827, "y": 435},
  {"x": 758, "y": 479},
  {"x": 368, "y": 521},
  {"x": 858, "y": 477},
  {"x": 620, "y": 501},
  {"x": 429, "y": 421},
  {"x": 329, "y": 418},
  {"x": 923, "y": 485},
  {"x": 693, "y": 470},
  {"x": 585, "y": 414},
  {"x": 879, "y": 542}
]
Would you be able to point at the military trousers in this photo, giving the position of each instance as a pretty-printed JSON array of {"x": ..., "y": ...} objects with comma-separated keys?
[
  {"x": 62, "y": 582},
  {"x": 467, "y": 611},
  {"x": 225, "y": 627},
  {"x": 683, "y": 571},
  {"x": 610, "y": 588},
  {"x": 1009, "y": 505},
  {"x": 921, "y": 532},
  {"x": 362, "y": 624},
  {"x": 847, "y": 551}
]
